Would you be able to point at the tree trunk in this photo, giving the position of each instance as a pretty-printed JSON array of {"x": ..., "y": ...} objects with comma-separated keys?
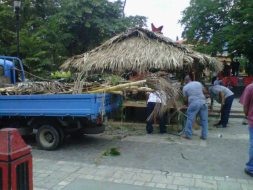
[{"x": 124, "y": 9}]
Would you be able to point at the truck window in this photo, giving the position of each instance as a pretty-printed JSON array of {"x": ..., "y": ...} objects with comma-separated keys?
[{"x": 1, "y": 70}]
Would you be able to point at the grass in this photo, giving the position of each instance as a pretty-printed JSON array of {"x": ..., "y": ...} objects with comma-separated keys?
[{"x": 108, "y": 152}]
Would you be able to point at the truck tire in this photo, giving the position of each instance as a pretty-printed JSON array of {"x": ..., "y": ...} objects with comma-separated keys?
[
  {"x": 48, "y": 137},
  {"x": 62, "y": 135}
]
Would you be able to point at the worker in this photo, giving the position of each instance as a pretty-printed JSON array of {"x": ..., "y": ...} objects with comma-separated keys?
[
  {"x": 155, "y": 100},
  {"x": 247, "y": 101},
  {"x": 225, "y": 97},
  {"x": 195, "y": 99},
  {"x": 215, "y": 75},
  {"x": 217, "y": 81}
]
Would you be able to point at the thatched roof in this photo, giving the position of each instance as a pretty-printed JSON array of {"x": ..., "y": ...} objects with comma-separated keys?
[{"x": 139, "y": 50}]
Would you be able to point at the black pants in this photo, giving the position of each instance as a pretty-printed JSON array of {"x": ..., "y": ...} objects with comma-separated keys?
[
  {"x": 162, "y": 119},
  {"x": 237, "y": 71},
  {"x": 213, "y": 79},
  {"x": 226, "y": 110},
  {"x": 233, "y": 71}
]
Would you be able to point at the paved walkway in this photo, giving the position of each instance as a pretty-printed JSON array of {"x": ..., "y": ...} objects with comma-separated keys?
[
  {"x": 55, "y": 175},
  {"x": 148, "y": 162}
]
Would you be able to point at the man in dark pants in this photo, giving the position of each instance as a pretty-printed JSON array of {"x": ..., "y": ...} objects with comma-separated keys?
[
  {"x": 154, "y": 101},
  {"x": 225, "y": 97},
  {"x": 237, "y": 65},
  {"x": 232, "y": 66}
]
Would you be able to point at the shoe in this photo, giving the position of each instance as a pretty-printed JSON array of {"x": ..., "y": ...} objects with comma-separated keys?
[
  {"x": 248, "y": 173},
  {"x": 184, "y": 136},
  {"x": 202, "y": 138},
  {"x": 150, "y": 133},
  {"x": 163, "y": 132},
  {"x": 245, "y": 121},
  {"x": 220, "y": 126},
  {"x": 216, "y": 124}
]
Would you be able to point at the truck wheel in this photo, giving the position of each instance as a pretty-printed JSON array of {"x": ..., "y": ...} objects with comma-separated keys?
[
  {"x": 62, "y": 135},
  {"x": 48, "y": 137}
]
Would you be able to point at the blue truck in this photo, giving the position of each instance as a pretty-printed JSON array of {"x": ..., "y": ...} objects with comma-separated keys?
[{"x": 52, "y": 116}]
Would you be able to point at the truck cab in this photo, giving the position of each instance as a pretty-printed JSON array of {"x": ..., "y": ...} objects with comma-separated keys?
[{"x": 8, "y": 73}]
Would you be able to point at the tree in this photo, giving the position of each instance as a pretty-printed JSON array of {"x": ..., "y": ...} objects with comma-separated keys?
[
  {"x": 53, "y": 30},
  {"x": 217, "y": 24}
]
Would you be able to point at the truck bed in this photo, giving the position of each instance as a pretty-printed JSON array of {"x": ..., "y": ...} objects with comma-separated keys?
[{"x": 70, "y": 105}]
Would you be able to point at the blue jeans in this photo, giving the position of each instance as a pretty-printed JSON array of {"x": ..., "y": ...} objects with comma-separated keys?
[
  {"x": 249, "y": 164},
  {"x": 194, "y": 108},
  {"x": 226, "y": 111}
]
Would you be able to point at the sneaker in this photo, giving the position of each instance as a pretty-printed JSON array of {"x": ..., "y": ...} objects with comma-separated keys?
[
  {"x": 217, "y": 124},
  {"x": 248, "y": 173},
  {"x": 220, "y": 126},
  {"x": 185, "y": 137},
  {"x": 245, "y": 121},
  {"x": 202, "y": 138}
]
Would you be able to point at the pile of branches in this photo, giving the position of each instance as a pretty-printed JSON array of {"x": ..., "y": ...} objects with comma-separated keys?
[
  {"x": 28, "y": 88},
  {"x": 167, "y": 90}
]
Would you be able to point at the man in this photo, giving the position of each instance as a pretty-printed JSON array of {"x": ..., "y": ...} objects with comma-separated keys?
[
  {"x": 225, "y": 68},
  {"x": 215, "y": 75},
  {"x": 193, "y": 93},
  {"x": 229, "y": 84},
  {"x": 217, "y": 81},
  {"x": 155, "y": 99},
  {"x": 237, "y": 65},
  {"x": 225, "y": 97},
  {"x": 232, "y": 66},
  {"x": 247, "y": 101}
]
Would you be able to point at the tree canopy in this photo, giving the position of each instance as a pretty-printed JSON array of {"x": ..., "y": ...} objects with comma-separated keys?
[
  {"x": 218, "y": 25},
  {"x": 52, "y": 30}
]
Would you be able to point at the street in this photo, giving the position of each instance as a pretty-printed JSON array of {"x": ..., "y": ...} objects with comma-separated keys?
[{"x": 148, "y": 161}]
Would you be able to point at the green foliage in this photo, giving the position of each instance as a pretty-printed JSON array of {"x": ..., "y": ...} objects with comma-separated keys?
[
  {"x": 51, "y": 30},
  {"x": 58, "y": 75},
  {"x": 115, "y": 79},
  {"x": 215, "y": 24},
  {"x": 119, "y": 113},
  {"x": 114, "y": 152}
]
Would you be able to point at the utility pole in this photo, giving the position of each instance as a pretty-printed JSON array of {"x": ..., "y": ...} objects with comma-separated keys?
[{"x": 17, "y": 5}]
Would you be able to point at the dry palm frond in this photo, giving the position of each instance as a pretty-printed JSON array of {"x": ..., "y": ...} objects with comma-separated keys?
[
  {"x": 139, "y": 50},
  {"x": 167, "y": 90},
  {"x": 28, "y": 88},
  {"x": 41, "y": 87}
]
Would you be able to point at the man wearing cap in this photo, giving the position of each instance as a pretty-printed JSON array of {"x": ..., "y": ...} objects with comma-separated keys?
[
  {"x": 193, "y": 93},
  {"x": 225, "y": 97}
]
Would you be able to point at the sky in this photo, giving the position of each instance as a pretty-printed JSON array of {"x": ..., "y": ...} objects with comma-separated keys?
[{"x": 160, "y": 12}]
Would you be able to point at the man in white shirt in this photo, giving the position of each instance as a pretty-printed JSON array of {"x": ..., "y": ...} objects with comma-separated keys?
[{"x": 153, "y": 99}]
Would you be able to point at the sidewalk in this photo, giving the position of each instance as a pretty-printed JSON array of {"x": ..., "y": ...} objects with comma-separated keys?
[
  {"x": 148, "y": 162},
  {"x": 79, "y": 176}
]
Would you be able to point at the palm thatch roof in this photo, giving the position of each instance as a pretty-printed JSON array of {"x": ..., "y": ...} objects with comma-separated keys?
[{"x": 139, "y": 50}]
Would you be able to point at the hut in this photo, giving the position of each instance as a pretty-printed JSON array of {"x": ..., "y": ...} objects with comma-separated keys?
[{"x": 140, "y": 50}]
